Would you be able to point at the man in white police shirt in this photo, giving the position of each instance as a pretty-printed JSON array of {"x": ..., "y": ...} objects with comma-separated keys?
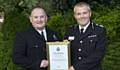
[{"x": 88, "y": 40}]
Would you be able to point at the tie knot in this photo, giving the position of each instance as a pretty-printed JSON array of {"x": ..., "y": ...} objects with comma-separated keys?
[{"x": 42, "y": 33}]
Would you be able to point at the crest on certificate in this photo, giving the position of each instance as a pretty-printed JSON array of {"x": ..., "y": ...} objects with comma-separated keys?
[{"x": 58, "y": 49}]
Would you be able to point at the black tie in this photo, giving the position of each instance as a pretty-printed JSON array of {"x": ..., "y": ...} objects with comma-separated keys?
[
  {"x": 42, "y": 35},
  {"x": 44, "y": 46},
  {"x": 81, "y": 31}
]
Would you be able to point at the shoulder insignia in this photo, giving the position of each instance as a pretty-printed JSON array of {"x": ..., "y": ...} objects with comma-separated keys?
[
  {"x": 101, "y": 25},
  {"x": 96, "y": 24}
]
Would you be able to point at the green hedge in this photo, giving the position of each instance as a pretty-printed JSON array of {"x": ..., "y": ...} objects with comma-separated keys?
[
  {"x": 110, "y": 19},
  {"x": 112, "y": 57},
  {"x": 15, "y": 22}
]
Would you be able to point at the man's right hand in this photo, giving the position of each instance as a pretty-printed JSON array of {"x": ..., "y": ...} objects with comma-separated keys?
[
  {"x": 71, "y": 68},
  {"x": 44, "y": 63}
]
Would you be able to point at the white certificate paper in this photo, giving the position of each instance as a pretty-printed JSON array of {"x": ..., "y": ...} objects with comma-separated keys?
[{"x": 58, "y": 57}]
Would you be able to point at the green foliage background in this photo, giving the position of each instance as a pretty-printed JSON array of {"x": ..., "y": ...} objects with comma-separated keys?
[{"x": 16, "y": 19}]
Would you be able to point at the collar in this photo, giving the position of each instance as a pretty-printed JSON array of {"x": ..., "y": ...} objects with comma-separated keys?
[
  {"x": 40, "y": 31},
  {"x": 44, "y": 33},
  {"x": 85, "y": 27}
]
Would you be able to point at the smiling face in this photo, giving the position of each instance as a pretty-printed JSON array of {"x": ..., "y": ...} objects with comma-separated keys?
[
  {"x": 82, "y": 14},
  {"x": 38, "y": 18}
]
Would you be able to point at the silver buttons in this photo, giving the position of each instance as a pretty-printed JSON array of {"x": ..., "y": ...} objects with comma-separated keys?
[
  {"x": 79, "y": 58},
  {"x": 79, "y": 49},
  {"x": 81, "y": 41},
  {"x": 36, "y": 46}
]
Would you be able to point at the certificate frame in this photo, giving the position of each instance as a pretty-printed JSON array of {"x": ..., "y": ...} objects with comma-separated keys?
[{"x": 58, "y": 55}]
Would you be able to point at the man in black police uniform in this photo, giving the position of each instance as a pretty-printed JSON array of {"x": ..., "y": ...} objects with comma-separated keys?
[
  {"x": 88, "y": 40},
  {"x": 29, "y": 46}
]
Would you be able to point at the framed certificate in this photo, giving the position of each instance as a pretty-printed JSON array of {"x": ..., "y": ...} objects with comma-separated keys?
[{"x": 58, "y": 54}]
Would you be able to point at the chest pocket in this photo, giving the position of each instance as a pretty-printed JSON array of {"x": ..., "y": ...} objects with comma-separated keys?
[
  {"x": 35, "y": 45},
  {"x": 91, "y": 41}
]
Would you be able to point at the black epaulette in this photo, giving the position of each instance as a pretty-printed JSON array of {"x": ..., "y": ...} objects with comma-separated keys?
[
  {"x": 99, "y": 25},
  {"x": 73, "y": 26}
]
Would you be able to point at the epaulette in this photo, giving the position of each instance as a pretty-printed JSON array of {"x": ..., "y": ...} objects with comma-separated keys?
[
  {"x": 99, "y": 25},
  {"x": 73, "y": 26}
]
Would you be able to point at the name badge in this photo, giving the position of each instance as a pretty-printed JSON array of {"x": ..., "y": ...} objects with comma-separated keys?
[
  {"x": 92, "y": 36},
  {"x": 71, "y": 38}
]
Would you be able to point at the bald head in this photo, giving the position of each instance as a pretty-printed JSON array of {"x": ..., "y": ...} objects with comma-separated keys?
[{"x": 38, "y": 9}]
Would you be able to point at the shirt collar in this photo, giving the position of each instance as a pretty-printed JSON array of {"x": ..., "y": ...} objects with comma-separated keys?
[
  {"x": 85, "y": 27},
  {"x": 40, "y": 31},
  {"x": 44, "y": 33}
]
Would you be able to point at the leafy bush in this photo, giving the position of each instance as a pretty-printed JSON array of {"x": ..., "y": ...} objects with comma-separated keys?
[
  {"x": 110, "y": 20},
  {"x": 15, "y": 21},
  {"x": 112, "y": 57},
  {"x": 59, "y": 22}
]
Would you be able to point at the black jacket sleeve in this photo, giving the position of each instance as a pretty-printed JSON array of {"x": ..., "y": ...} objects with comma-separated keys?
[{"x": 19, "y": 54}]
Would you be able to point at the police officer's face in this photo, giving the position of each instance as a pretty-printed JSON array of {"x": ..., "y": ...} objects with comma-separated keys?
[
  {"x": 82, "y": 15},
  {"x": 38, "y": 18}
]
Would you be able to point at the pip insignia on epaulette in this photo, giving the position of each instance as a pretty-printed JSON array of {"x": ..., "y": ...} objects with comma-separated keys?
[
  {"x": 74, "y": 26},
  {"x": 96, "y": 24},
  {"x": 71, "y": 26},
  {"x": 99, "y": 25}
]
